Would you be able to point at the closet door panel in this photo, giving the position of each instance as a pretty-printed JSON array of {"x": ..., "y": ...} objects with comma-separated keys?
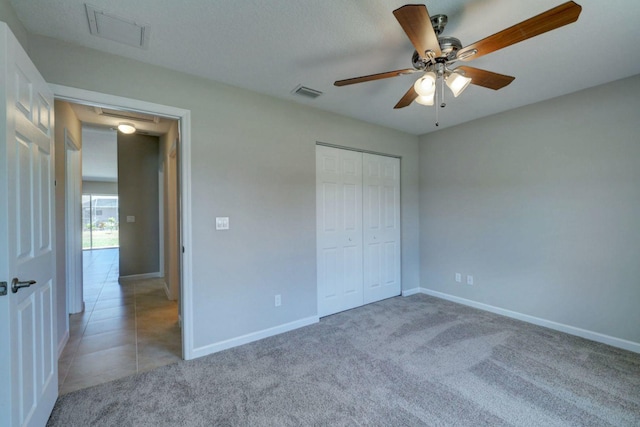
[
  {"x": 381, "y": 227},
  {"x": 339, "y": 229}
]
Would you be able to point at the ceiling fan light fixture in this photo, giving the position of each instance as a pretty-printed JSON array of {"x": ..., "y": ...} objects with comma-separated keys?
[
  {"x": 425, "y": 100},
  {"x": 426, "y": 85},
  {"x": 457, "y": 83},
  {"x": 126, "y": 128}
]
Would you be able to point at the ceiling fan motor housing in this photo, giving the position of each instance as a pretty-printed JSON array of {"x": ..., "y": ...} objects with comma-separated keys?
[{"x": 449, "y": 47}]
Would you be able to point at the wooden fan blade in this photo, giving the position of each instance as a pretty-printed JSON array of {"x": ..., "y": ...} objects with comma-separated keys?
[
  {"x": 486, "y": 78},
  {"x": 550, "y": 20},
  {"x": 415, "y": 21},
  {"x": 371, "y": 77},
  {"x": 407, "y": 99}
]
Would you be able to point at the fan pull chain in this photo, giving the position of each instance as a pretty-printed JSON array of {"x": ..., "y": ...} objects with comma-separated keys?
[
  {"x": 437, "y": 122},
  {"x": 438, "y": 103},
  {"x": 442, "y": 88}
]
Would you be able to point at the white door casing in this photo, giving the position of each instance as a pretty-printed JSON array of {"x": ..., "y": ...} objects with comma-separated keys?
[
  {"x": 339, "y": 229},
  {"x": 29, "y": 371},
  {"x": 381, "y": 227},
  {"x": 73, "y": 224},
  {"x": 81, "y": 96}
]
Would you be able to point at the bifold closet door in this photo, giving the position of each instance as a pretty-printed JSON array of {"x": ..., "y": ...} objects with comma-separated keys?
[
  {"x": 381, "y": 227},
  {"x": 339, "y": 229}
]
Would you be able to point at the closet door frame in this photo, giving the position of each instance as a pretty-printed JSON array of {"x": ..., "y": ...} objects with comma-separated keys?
[{"x": 333, "y": 275}]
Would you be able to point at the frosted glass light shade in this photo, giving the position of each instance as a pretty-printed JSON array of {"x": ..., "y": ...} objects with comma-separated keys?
[
  {"x": 426, "y": 85},
  {"x": 426, "y": 100},
  {"x": 126, "y": 128},
  {"x": 457, "y": 83}
]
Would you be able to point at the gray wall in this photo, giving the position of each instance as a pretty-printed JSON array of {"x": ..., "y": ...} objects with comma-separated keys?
[
  {"x": 541, "y": 205},
  {"x": 169, "y": 168},
  {"x": 138, "y": 197},
  {"x": 100, "y": 187},
  {"x": 253, "y": 159},
  {"x": 8, "y": 15}
]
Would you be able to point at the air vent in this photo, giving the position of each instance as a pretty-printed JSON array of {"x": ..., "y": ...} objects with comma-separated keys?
[
  {"x": 121, "y": 30},
  {"x": 306, "y": 91}
]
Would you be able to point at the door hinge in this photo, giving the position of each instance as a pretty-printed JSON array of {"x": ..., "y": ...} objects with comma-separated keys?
[{"x": 3, "y": 288}]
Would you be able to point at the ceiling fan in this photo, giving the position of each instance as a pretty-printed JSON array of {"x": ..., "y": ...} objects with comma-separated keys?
[{"x": 434, "y": 54}]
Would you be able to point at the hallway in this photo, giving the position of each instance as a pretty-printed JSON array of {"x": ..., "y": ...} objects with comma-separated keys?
[{"x": 125, "y": 328}]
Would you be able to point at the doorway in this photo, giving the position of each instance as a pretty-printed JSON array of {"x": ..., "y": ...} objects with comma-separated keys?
[
  {"x": 183, "y": 174},
  {"x": 115, "y": 333}
]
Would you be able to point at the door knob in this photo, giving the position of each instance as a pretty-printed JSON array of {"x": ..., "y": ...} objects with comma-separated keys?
[{"x": 16, "y": 284}]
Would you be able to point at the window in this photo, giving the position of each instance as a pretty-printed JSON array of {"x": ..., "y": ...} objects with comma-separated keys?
[{"x": 99, "y": 221}]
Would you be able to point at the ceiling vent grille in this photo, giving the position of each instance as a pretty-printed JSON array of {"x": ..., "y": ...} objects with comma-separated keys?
[
  {"x": 306, "y": 91},
  {"x": 121, "y": 30}
]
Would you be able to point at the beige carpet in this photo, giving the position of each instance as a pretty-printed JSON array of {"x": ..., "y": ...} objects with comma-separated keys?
[{"x": 400, "y": 362}]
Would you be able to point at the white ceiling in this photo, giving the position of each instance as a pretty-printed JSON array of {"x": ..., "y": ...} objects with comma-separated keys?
[{"x": 272, "y": 46}]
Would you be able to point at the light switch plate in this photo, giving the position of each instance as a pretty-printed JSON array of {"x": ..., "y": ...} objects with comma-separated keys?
[
  {"x": 222, "y": 223},
  {"x": 131, "y": 218}
]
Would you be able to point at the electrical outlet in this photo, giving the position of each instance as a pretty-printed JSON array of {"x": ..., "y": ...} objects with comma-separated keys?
[
  {"x": 278, "y": 300},
  {"x": 469, "y": 280},
  {"x": 458, "y": 277}
]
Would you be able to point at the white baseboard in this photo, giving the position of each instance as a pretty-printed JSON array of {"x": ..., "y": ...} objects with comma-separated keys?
[
  {"x": 140, "y": 276},
  {"x": 63, "y": 343},
  {"x": 254, "y": 336},
  {"x": 572, "y": 330},
  {"x": 410, "y": 292}
]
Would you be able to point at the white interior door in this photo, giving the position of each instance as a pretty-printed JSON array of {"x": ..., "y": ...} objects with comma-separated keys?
[
  {"x": 339, "y": 229},
  {"x": 381, "y": 227},
  {"x": 28, "y": 368}
]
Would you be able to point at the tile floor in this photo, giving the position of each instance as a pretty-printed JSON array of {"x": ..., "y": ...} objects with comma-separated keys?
[{"x": 125, "y": 328}]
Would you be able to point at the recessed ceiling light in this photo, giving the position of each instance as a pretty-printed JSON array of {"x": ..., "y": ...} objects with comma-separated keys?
[{"x": 126, "y": 128}]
